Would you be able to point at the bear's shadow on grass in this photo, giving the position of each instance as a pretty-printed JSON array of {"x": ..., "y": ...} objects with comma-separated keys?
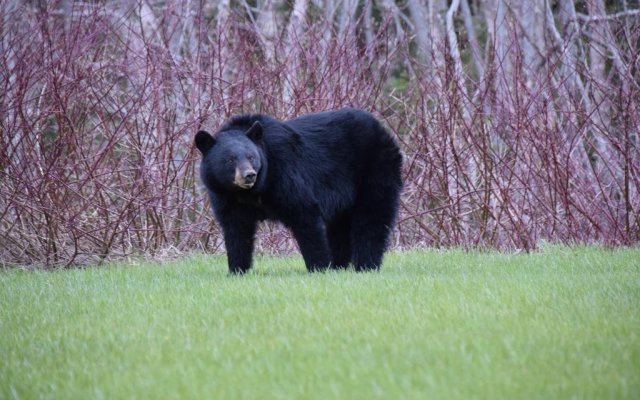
[
  {"x": 270, "y": 272},
  {"x": 263, "y": 266},
  {"x": 222, "y": 272}
]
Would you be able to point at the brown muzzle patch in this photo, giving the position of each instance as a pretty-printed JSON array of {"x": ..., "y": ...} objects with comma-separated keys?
[{"x": 245, "y": 176}]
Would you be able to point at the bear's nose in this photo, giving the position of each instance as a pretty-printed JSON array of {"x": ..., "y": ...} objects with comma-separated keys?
[{"x": 250, "y": 176}]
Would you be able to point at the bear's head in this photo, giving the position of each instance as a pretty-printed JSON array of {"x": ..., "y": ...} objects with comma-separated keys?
[{"x": 232, "y": 160}]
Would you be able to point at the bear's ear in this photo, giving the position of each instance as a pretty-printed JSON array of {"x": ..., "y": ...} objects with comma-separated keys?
[
  {"x": 204, "y": 141},
  {"x": 255, "y": 132}
]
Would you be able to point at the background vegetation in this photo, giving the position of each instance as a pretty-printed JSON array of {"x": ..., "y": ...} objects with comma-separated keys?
[{"x": 519, "y": 120}]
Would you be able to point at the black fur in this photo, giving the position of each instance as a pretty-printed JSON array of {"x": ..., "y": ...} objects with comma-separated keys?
[{"x": 333, "y": 178}]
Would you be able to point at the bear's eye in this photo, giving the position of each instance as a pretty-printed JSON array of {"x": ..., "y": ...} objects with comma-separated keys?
[
  {"x": 230, "y": 160},
  {"x": 250, "y": 157}
]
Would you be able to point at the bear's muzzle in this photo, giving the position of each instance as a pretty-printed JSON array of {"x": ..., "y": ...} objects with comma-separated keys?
[{"x": 245, "y": 176}]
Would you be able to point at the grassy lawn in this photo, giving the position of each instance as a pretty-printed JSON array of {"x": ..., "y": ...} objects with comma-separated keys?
[{"x": 561, "y": 323}]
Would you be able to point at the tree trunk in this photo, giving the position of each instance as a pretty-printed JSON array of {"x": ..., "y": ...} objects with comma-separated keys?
[
  {"x": 268, "y": 28},
  {"x": 294, "y": 36},
  {"x": 476, "y": 53}
]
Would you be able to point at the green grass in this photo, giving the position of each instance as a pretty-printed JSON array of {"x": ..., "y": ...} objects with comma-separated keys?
[{"x": 562, "y": 323}]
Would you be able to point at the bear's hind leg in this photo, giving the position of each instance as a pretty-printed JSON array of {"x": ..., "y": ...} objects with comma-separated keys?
[
  {"x": 373, "y": 218},
  {"x": 338, "y": 234}
]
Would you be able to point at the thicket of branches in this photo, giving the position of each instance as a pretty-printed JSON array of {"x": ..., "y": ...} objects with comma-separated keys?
[{"x": 519, "y": 120}]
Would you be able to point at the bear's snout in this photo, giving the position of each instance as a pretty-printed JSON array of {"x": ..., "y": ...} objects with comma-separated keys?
[
  {"x": 245, "y": 176},
  {"x": 250, "y": 177}
]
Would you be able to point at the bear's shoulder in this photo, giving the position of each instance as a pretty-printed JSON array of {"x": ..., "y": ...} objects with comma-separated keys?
[
  {"x": 275, "y": 132},
  {"x": 245, "y": 121}
]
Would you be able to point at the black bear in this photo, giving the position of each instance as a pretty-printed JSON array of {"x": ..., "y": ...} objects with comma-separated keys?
[{"x": 333, "y": 178}]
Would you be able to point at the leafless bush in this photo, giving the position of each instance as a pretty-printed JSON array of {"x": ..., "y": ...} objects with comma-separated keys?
[{"x": 99, "y": 103}]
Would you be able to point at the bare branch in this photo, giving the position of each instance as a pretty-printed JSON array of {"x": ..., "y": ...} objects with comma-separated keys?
[{"x": 604, "y": 18}]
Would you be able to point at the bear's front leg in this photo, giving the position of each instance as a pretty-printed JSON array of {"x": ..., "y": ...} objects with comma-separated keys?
[
  {"x": 239, "y": 233},
  {"x": 310, "y": 233}
]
